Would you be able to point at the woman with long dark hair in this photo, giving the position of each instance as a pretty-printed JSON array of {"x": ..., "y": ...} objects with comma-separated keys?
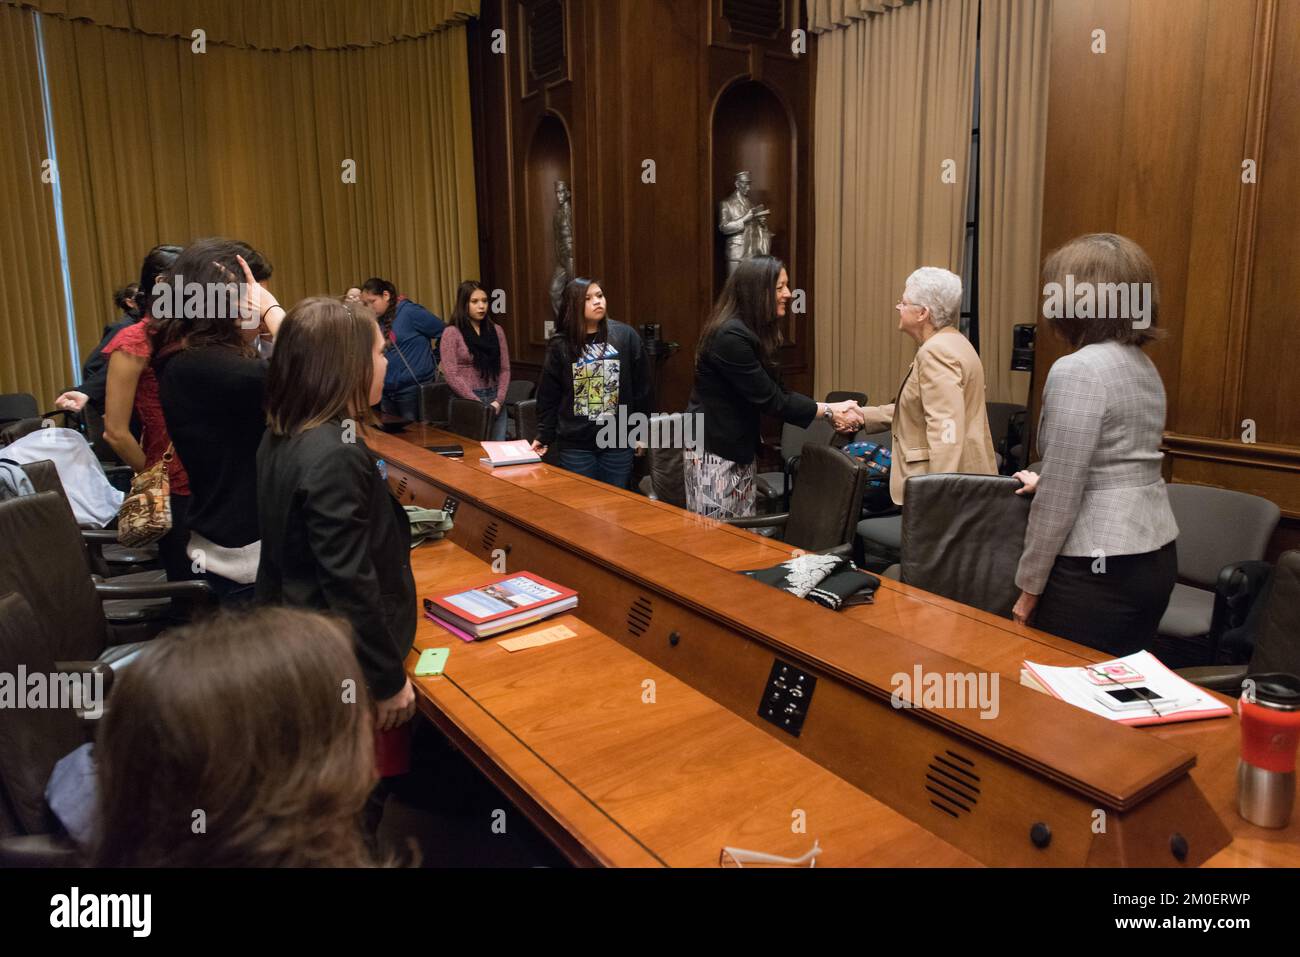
[
  {"x": 134, "y": 426},
  {"x": 736, "y": 379},
  {"x": 209, "y": 314},
  {"x": 475, "y": 360},
  {"x": 593, "y": 366}
]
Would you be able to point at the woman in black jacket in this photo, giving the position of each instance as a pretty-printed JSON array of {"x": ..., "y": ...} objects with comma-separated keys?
[
  {"x": 333, "y": 537},
  {"x": 736, "y": 380}
]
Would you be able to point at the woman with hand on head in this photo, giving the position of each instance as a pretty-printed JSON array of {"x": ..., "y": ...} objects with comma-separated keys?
[
  {"x": 211, "y": 382},
  {"x": 475, "y": 360},
  {"x": 736, "y": 380},
  {"x": 593, "y": 365}
]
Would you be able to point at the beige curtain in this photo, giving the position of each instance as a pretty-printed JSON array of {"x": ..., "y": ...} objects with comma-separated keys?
[
  {"x": 892, "y": 113},
  {"x": 160, "y": 144},
  {"x": 33, "y": 338},
  {"x": 829, "y": 14},
  {"x": 1015, "y": 39}
]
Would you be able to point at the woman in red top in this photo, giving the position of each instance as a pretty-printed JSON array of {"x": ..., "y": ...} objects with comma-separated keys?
[
  {"x": 132, "y": 388},
  {"x": 475, "y": 360}
]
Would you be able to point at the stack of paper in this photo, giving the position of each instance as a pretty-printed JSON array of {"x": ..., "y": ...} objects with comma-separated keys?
[
  {"x": 517, "y": 452},
  {"x": 1135, "y": 690}
]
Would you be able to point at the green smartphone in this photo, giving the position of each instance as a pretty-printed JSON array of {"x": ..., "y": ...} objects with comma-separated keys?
[{"x": 432, "y": 661}]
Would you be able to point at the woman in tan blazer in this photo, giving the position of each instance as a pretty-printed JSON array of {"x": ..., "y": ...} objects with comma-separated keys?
[{"x": 938, "y": 420}]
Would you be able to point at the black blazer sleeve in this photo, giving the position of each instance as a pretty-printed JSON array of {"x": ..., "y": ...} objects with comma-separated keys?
[
  {"x": 336, "y": 511},
  {"x": 735, "y": 357}
]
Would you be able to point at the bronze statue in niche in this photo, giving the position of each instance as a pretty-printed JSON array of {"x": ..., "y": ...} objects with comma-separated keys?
[
  {"x": 563, "y": 226},
  {"x": 743, "y": 225}
]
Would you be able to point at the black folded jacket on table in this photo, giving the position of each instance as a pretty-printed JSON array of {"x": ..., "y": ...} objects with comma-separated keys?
[{"x": 829, "y": 580}]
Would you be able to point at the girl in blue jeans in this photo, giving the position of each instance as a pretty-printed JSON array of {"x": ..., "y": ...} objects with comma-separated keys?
[{"x": 594, "y": 366}]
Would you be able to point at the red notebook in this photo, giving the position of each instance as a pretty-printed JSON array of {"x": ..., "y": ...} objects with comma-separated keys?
[{"x": 504, "y": 602}]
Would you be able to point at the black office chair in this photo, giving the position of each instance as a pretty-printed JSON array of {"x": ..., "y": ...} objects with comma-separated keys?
[
  {"x": 519, "y": 390},
  {"x": 434, "y": 400},
  {"x": 526, "y": 420},
  {"x": 32, "y": 740},
  {"x": 1007, "y": 422},
  {"x": 107, "y": 558},
  {"x": 666, "y": 481},
  {"x": 1218, "y": 531},
  {"x": 839, "y": 395},
  {"x": 44, "y": 560},
  {"x": 776, "y": 486},
  {"x": 824, "y": 506},
  {"x": 962, "y": 536},
  {"x": 1269, "y": 639},
  {"x": 15, "y": 406},
  {"x": 470, "y": 418}
]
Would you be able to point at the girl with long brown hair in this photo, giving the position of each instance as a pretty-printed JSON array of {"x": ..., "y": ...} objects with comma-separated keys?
[
  {"x": 333, "y": 537},
  {"x": 237, "y": 742}
]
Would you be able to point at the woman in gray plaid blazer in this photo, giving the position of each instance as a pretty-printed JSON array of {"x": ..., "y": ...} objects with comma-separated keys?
[{"x": 1099, "y": 559}]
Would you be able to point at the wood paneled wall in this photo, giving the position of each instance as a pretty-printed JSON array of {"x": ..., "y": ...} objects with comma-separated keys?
[
  {"x": 640, "y": 82},
  {"x": 1148, "y": 139}
]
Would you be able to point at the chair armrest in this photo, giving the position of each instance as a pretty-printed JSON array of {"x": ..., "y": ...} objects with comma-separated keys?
[
  {"x": 99, "y": 536},
  {"x": 38, "y": 850},
  {"x": 199, "y": 592},
  {"x": 87, "y": 668},
  {"x": 759, "y": 521},
  {"x": 1238, "y": 587},
  {"x": 1225, "y": 678}
]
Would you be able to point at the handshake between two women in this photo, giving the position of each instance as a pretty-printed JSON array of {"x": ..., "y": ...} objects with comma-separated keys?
[{"x": 846, "y": 416}]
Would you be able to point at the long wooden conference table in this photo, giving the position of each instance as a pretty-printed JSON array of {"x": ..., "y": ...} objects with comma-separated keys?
[{"x": 640, "y": 741}]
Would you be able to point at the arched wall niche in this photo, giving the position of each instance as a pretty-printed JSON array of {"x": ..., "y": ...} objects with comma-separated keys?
[
  {"x": 752, "y": 129},
  {"x": 549, "y": 158}
]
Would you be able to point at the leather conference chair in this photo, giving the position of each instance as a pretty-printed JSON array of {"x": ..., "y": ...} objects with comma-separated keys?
[
  {"x": 44, "y": 561},
  {"x": 526, "y": 419},
  {"x": 32, "y": 740},
  {"x": 667, "y": 465},
  {"x": 128, "y": 619},
  {"x": 470, "y": 418},
  {"x": 824, "y": 506},
  {"x": 962, "y": 536},
  {"x": 1007, "y": 428},
  {"x": 17, "y": 406},
  {"x": 434, "y": 401},
  {"x": 1218, "y": 530},
  {"x": 777, "y": 486},
  {"x": 839, "y": 395},
  {"x": 880, "y": 535},
  {"x": 1270, "y": 634},
  {"x": 519, "y": 390}
]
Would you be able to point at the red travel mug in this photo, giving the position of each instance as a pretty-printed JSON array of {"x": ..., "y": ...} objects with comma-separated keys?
[{"x": 1270, "y": 733}]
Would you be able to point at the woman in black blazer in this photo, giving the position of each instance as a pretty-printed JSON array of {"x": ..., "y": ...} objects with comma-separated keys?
[
  {"x": 333, "y": 537},
  {"x": 736, "y": 380}
]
